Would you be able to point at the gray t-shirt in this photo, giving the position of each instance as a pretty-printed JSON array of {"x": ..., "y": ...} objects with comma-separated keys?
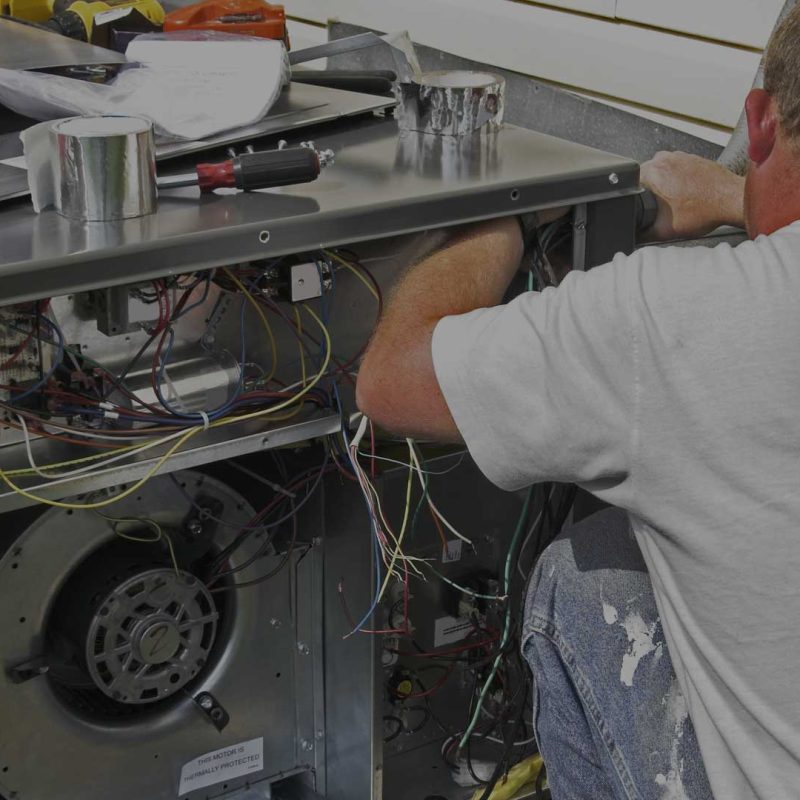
[{"x": 668, "y": 383}]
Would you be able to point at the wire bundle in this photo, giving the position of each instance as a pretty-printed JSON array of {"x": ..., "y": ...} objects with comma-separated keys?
[{"x": 79, "y": 401}]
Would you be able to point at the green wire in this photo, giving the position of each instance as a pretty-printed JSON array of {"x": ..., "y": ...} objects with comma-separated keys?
[
  {"x": 507, "y": 628},
  {"x": 462, "y": 588}
]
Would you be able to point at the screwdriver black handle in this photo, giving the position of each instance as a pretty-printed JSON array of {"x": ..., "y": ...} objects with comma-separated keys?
[
  {"x": 260, "y": 170},
  {"x": 275, "y": 168}
]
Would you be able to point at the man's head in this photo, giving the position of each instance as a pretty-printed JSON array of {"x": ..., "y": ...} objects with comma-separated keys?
[{"x": 772, "y": 194}]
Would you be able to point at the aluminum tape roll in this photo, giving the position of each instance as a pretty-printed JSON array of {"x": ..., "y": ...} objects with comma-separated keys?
[
  {"x": 450, "y": 103},
  {"x": 104, "y": 167}
]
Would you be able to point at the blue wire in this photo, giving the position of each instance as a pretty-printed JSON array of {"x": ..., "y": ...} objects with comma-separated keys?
[
  {"x": 375, "y": 547},
  {"x": 56, "y": 362},
  {"x": 219, "y": 411}
]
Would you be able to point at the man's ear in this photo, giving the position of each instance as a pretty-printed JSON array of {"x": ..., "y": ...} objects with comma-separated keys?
[{"x": 762, "y": 125}]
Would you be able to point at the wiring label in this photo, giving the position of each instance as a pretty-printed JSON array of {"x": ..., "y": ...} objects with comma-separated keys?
[
  {"x": 448, "y": 630},
  {"x": 222, "y": 765},
  {"x": 452, "y": 552}
]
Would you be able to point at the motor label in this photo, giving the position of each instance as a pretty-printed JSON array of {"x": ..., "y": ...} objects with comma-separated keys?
[{"x": 222, "y": 765}]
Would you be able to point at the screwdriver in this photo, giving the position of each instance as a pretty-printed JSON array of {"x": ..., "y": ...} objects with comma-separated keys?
[{"x": 260, "y": 170}]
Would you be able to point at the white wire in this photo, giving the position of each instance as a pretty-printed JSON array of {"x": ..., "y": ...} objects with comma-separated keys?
[
  {"x": 529, "y": 535},
  {"x": 432, "y": 505},
  {"x": 407, "y": 465},
  {"x": 97, "y": 465},
  {"x": 495, "y": 740},
  {"x": 88, "y": 434}
]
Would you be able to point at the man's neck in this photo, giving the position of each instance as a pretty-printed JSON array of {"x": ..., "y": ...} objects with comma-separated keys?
[{"x": 774, "y": 191}]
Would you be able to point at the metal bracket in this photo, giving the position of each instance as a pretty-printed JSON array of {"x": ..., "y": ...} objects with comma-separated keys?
[
  {"x": 211, "y": 708},
  {"x": 579, "y": 220},
  {"x": 27, "y": 670}
]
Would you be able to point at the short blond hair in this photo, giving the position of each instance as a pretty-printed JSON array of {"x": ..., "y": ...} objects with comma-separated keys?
[{"x": 782, "y": 72}]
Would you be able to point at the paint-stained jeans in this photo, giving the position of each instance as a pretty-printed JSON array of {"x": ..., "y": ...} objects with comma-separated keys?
[{"x": 610, "y": 719}]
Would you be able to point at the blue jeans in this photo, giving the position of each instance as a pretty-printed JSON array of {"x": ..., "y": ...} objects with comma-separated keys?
[{"x": 609, "y": 716}]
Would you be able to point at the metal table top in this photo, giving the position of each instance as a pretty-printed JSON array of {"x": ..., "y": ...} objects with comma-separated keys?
[{"x": 382, "y": 184}]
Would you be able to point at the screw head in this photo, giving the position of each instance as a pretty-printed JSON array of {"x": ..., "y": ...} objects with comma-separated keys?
[
  {"x": 195, "y": 527},
  {"x": 613, "y": 179},
  {"x": 206, "y": 703},
  {"x": 276, "y": 623},
  {"x": 303, "y": 648},
  {"x": 306, "y": 745}
]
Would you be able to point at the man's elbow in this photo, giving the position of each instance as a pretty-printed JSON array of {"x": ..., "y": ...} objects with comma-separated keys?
[{"x": 376, "y": 393}]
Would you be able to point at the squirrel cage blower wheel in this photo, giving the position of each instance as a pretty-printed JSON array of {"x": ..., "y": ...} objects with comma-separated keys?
[{"x": 124, "y": 664}]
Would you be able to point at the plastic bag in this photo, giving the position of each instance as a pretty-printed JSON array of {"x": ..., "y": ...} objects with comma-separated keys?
[{"x": 191, "y": 85}]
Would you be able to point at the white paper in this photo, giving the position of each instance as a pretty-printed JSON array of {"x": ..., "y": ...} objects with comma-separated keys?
[
  {"x": 189, "y": 89},
  {"x": 448, "y": 630},
  {"x": 222, "y": 765}
]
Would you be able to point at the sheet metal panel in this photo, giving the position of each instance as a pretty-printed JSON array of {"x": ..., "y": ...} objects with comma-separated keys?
[{"x": 382, "y": 185}]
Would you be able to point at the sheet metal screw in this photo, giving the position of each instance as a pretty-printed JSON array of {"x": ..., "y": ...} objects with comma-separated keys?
[
  {"x": 303, "y": 648},
  {"x": 276, "y": 623},
  {"x": 306, "y": 745},
  {"x": 613, "y": 179},
  {"x": 206, "y": 703}
]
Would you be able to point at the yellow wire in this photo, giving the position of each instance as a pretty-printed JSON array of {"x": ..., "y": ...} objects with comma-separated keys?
[
  {"x": 402, "y": 533},
  {"x": 159, "y": 533},
  {"x": 260, "y": 311},
  {"x": 183, "y": 439},
  {"x": 355, "y": 272},
  {"x": 300, "y": 343},
  {"x": 94, "y": 457},
  {"x": 387, "y": 528}
]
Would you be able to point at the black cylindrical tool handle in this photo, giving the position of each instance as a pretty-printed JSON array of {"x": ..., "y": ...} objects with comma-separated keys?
[
  {"x": 275, "y": 168},
  {"x": 646, "y": 210},
  {"x": 380, "y": 82}
]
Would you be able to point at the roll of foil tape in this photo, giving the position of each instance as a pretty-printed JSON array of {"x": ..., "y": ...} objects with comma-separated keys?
[
  {"x": 104, "y": 167},
  {"x": 450, "y": 103}
]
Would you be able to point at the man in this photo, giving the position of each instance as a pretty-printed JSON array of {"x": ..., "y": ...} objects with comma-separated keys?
[{"x": 666, "y": 383}]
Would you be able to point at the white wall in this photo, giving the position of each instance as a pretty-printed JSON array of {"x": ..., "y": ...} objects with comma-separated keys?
[{"x": 687, "y": 62}]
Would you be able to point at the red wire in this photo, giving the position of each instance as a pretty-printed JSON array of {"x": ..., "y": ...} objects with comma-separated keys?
[
  {"x": 450, "y": 652},
  {"x": 372, "y": 447},
  {"x": 427, "y": 692},
  {"x": 59, "y": 438},
  {"x": 20, "y": 350}
]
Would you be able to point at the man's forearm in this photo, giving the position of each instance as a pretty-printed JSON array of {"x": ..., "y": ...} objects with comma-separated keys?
[
  {"x": 397, "y": 385},
  {"x": 473, "y": 271}
]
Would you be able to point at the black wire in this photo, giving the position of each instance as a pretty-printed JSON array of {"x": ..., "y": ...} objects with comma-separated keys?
[
  {"x": 246, "y": 531},
  {"x": 274, "y": 571},
  {"x": 394, "y": 734},
  {"x": 119, "y": 380},
  {"x": 426, "y": 718}
]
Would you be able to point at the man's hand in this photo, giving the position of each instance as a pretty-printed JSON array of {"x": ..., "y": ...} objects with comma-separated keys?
[{"x": 695, "y": 196}]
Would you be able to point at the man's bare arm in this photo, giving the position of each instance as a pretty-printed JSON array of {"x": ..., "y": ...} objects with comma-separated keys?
[
  {"x": 695, "y": 196},
  {"x": 397, "y": 386}
]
